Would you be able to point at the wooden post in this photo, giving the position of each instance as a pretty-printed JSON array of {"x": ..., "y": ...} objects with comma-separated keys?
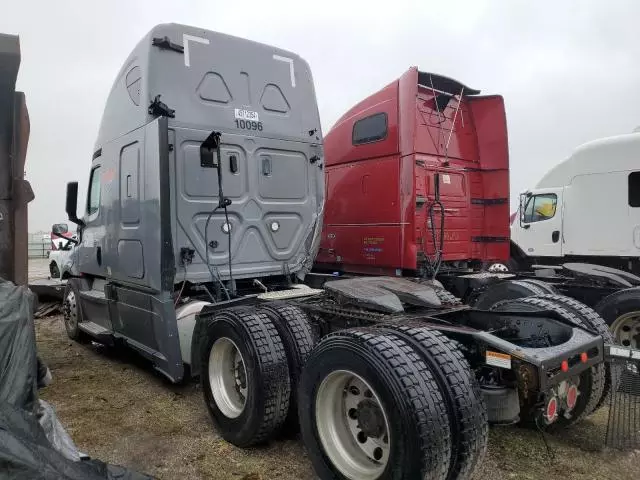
[{"x": 15, "y": 191}]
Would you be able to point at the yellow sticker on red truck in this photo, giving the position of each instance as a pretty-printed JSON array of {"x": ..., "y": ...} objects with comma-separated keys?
[{"x": 500, "y": 360}]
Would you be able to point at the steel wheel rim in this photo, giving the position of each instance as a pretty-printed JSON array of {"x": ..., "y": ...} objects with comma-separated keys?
[
  {"x": 498, "y": 268},
  {"x": 228, "y": 377},
  {"x": 341, "y": 435},
  {"x": 626, "y": 330},
  {"x": 71, "y": 312}
]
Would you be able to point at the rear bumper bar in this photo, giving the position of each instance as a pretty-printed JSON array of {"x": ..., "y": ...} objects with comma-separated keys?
[{"x": 548, "y": 361}]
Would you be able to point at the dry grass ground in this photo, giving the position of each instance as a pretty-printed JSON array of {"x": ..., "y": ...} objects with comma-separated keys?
[{"x": 116, "y": 409}]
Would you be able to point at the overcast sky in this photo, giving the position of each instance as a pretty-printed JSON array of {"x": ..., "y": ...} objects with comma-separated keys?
[{"x": 569, "y": 70}]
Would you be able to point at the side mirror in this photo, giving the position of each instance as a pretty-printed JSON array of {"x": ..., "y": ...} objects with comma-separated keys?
[
  {"x": 523, "y": 204},
  {"x": 59, "y": 229},
  {"x": 72, "y": 203}
]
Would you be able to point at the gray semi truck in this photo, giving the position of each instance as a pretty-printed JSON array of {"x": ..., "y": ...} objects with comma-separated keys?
[
  {"x": 207, "y": 145},
  {"x": 202, "y": 221}
]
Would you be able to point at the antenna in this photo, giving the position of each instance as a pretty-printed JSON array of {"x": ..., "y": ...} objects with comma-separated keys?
[
  {"x": 453, "y": 124},
  {"x": 440, "y": 120}
]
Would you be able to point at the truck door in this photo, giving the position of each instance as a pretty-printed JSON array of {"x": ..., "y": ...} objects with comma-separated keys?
[
  {"x": 141, "y": 251},
  {"x": 538, "y": 228},
  {"x": 90, "y": 250}
]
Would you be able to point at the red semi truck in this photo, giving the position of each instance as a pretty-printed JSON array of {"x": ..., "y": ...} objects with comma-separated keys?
[
  {"x": 417, "y": 177},
  {"x": 417, "y": 183}
]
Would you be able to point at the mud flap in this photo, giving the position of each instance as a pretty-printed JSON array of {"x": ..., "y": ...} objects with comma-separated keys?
[{"x": 623, "y": 426}]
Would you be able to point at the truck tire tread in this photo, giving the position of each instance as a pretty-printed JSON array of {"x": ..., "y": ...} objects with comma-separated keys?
[
  {"x": 271, "y": 374},
  {"x": 446, "y": 297},
  {"x": 546, "y": 287},
  {"x": 418, "y": 401},
  {"x": 597, "y": 323},
  {"x": 298, "y": 338},
  {"x": 465, "y": 404}
]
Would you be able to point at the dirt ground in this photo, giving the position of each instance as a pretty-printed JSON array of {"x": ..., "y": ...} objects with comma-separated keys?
[{"x": 118, "y": 410}]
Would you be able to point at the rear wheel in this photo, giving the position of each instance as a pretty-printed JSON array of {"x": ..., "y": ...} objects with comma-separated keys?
[
  {"x": 621, "y": 311},
  {"x": 298, "y": 338},
  {"x": 626, "y": 329},
  {"x": 590, "y": 317},
  {"x": 371, "y": 409},
  {"x": 245, "y": 377},
  {"x": 463, "y": 399},
  {"x": 590, "y": 383},
  {"x": 72, "y": 314}
]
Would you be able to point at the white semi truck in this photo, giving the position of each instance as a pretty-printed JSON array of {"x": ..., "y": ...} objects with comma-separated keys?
[{"x": 586, "y": 209}]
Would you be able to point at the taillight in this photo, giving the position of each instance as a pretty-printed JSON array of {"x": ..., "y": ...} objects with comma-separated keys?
[
  {"x": 551, "y": 411},
  {"x": 572, "y": 396}
]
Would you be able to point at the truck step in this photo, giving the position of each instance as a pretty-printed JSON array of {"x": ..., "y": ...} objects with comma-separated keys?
[
  {"x": 97, "y": 331},
  {"x": 93, "y": 294},
  {"x": 297, "y": 291}
]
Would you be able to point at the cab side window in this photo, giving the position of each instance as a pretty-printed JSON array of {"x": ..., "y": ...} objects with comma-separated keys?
[
  {"x": 634, "y": 189},
  {"x": 370, "y": 129},
  {"x": 93, "y": 197},
  {"x": 540, "y": 207}
]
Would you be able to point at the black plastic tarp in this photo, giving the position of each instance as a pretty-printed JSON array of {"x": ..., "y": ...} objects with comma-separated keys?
[
  {"x": 18, "y": 363},
  {"x": 33, "y": 443}
]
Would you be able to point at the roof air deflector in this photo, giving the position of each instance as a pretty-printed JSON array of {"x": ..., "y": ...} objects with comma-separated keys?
[{"x": 444, "y": 84}]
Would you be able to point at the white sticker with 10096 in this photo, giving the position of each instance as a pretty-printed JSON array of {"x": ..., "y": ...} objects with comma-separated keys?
[{"x": 242, "y": 114}]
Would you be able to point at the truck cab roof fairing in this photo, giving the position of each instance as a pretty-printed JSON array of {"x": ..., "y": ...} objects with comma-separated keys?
[{"x": 444, "y": 84}]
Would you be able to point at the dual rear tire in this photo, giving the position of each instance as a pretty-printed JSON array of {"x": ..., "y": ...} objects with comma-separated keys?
[
  {"x": 251, "y": 364},
  {"x": 370, "y": 408},
  {"x": 397, "y": 401},
  {"x": 245, "y": 376}
]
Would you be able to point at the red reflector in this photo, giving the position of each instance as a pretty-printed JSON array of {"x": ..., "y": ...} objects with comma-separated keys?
[
  {"x": 565, "y": 366},
  {"x": 584, "y": 357},
  {"x": 552, "y": 409}
]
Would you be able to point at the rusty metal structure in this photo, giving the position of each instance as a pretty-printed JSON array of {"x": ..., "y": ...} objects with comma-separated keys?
[{"x": 15, "y": 191}]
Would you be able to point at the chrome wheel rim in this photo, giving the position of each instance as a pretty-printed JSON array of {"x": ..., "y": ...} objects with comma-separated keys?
[
  {"x": 70, "y": 312},
  {"x": 228, "y": 377},
  {"x": 626, "y": 330},
  {"x": 352, "y": 426},
  {"x": 498, "y": 268}
]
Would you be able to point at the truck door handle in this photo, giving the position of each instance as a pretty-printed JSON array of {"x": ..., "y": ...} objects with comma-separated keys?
[
  {"x": 233, "y": 164},
  {"x": 266, "y": 166},
  {"x": 555, "y": 236},
  {"x": 99, "y": 255},
  {"x": 526, "y": 226}
]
